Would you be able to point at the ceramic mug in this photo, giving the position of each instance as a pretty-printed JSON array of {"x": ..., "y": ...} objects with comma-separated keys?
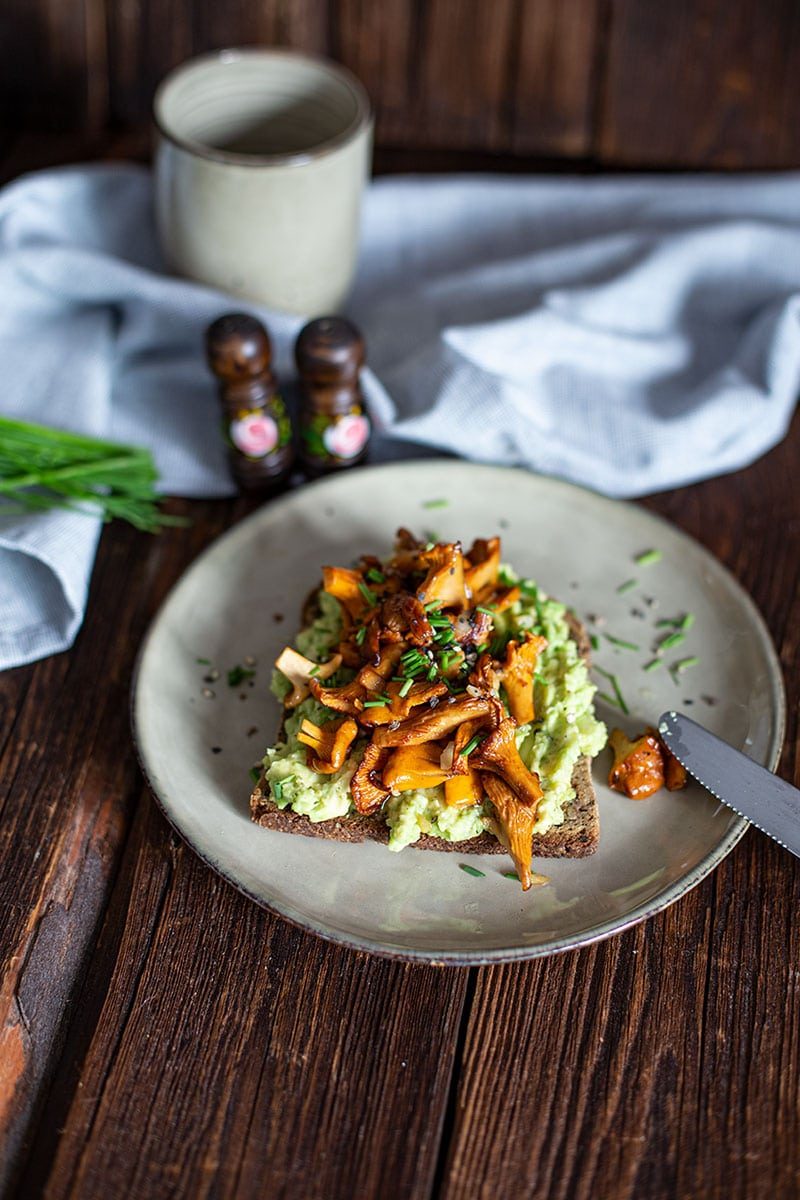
[{"x": 261, "y": 161}]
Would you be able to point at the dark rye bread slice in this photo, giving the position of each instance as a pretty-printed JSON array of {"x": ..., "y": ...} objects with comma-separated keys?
[{"x": 576, "y": 837}]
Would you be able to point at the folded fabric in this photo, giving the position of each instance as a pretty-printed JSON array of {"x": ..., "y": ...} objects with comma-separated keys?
[{"x": 628, "y": 334}]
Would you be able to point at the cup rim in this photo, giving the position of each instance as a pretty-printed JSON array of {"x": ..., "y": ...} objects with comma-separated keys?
[{"x": 362, "y": 119}]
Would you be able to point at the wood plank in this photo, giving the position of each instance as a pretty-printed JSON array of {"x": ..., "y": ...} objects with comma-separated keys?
[
  {"x": 232, "y": 1055},
  {"x": 555, "y": 77},
  {"x": 376, "y": 42},
  {"x": 461, "y": 60},
  {"x": 705, "y": 85},
  {"x": 667, "y": 1061},
  {"x": 53, "y": 67},
  {"x": 67, "y": 779}
]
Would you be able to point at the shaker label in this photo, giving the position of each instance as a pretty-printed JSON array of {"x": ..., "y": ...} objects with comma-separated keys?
[
  {"x": 346, "y": 437},
  {"x": 256, "y": 434}
]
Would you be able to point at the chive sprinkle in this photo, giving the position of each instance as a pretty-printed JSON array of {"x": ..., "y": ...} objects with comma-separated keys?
[
  {"x": 205, "y": 662},
  {"x": 432, "y": 672},
  {"x": 406, "y": 688},
  {"x": 238, "y": 675},
  {"x": 511, "y": 875},
  {"x": 482, "y": 609},
  {"x": 594, "y": 641},
  {"x": 651, "y": 666},
  {"x": 528, "y": 589},
  {"x": 376, "y": 576},
  {"x": 685, "y": 663},
  {"x": 620, "y": 699},
  {"x": 648, "y": 557},
  {"x": 368, "y": 594},
  {"x": 374, "y": 704},
  {"x": 468, "y": 870},
  {"x": 672, "y": 639},
  {"x": 314, "y": 670},
  {"x": 615, "y": 641},
  {"x": 432, "y": 605},
  {"x": 435, "y": 503},
  {"x": 277, "y": 789},
  {"x": 687, "y": 622},
  {"x": 255, "y": 774},
  {"x": 626, "y": 586},
  {"x": 361, "y": 634},
  {"x": 471, "y": 744}
]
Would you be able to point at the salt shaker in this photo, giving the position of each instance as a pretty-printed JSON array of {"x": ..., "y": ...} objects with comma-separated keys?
[
  {"x": 334, "y": 424},
  {"x": 256, "y": 424}
]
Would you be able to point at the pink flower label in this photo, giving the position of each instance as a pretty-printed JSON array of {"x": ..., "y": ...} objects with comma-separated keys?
[
  {"x": 347, "y": 437},
  {"x": 255, "y": 435}
]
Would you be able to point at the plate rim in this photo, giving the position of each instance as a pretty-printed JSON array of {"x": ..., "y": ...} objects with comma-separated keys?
[{"x": 459, "y": 958}]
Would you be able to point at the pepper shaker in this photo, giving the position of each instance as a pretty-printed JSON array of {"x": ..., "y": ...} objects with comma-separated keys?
[
  {"x": 334, "y": 424},
  {"x": 256, "y": 424}
]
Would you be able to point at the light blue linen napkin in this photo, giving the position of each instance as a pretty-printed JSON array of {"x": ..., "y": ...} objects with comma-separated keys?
[{"x": 628, "y": 334}]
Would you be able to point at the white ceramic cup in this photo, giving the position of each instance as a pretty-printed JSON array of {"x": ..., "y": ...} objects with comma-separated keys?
[{"x": 261, "y": 161}]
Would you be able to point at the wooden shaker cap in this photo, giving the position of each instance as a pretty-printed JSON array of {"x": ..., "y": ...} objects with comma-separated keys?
[
  {"x": 238, "y": 348},
  {"x": 329, "y": 349}
]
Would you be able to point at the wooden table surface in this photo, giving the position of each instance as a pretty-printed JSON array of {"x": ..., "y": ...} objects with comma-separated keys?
[{"x": 162, "y": 1036}]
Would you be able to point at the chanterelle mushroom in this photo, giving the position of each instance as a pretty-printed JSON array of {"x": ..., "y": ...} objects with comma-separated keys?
[
  {"x": 484, "y": 564},
  {"x": 516, "y": 822},
  {"x": 638, "y": 767},
  {"x": 347, "y": 587},
  {"x": 328, "y": 744},
  {"x": 301, "y": 672},
  {"x": 499, "y": 754},
  {"x": 435, "y": 723},
  {"x": 445, "y": 579},
  {"x": 411, "y": 767},
  {"x": 366, "y": 788},
  {"x": 517, "y": 675}
]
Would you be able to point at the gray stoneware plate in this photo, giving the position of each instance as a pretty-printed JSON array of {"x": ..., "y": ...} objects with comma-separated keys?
[{"x": 241, "y": 600}]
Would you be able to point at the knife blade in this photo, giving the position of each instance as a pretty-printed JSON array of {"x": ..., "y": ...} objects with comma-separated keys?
[{"x": 769, "y": 803}]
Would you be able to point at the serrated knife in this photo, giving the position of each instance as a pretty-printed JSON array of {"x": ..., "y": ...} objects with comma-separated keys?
[{"x": 770, "y": 803}]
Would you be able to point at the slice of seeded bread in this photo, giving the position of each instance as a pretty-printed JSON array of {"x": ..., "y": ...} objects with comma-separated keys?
[{"x": 577, "y": 836}]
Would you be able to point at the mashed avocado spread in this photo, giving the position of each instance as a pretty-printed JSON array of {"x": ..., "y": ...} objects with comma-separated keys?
[{"x": 565, "y": 728}]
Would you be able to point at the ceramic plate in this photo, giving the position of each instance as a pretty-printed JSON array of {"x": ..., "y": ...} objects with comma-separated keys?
[{"x": 240, "y": 602}]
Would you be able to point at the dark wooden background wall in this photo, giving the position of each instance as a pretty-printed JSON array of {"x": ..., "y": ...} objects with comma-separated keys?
[{"x": 672, "y": 83}]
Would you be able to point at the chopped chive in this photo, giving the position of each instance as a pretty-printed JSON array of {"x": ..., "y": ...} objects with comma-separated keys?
[
  {"x": 615, "y": 641},
  {"x": 205, "y": 662},
  {"x": 238, "y": 675},
  {"x": 685, "y": 663},
  {"x": 471, "y": 744},
  {"x": 376, "y": 576},
  {"x": 472, "y": 871},
  {"x": 315, "y": 670},
  {"x": 482, "y": 648},
  {"x": 277, "y": 789},
  {"x": 432, "y": 605},
  {"x": 431, "y": 538},
  {"x": 368, "y": 594},
  {"x": 620, "y": 699},
  {"x": 648, "y": 557},
  {"x": 528, "y": 588},
  {"x": 432, "y": 672},
  {"x": 482, "y": 609},
  {"x": 687, "y": 622},
  {"x": 435, "y": 503},
  {"x": 511, "y": 875},
  {"x": 374, "y": 704},
  {"x": 255, "y": 774},
  {"x": 651, "y": 666},
  {"x": 626, "y": 586},
  {"x": 672, "y": 639},
  {"x": 406, "y": 688},
  {"x": 595, "y": 641},
  {"x": 361, "y": 634},
  {"x": 444, "y": 661}
]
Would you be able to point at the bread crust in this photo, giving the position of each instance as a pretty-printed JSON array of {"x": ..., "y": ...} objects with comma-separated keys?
[{"x": 576, "y": 837}]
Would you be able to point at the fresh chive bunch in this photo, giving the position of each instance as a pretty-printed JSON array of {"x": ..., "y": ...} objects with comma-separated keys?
[{"x": 43, "y": 468}]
